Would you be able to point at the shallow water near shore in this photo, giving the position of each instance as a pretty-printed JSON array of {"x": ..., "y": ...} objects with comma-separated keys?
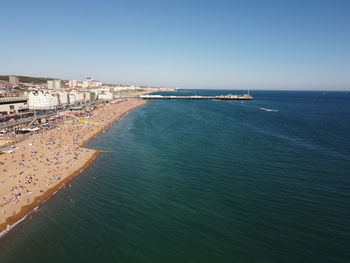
[{"x": 205, "y": 181}]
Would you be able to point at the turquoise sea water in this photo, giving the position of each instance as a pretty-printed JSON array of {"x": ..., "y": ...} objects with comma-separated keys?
[{"x": 206, "y": 181}]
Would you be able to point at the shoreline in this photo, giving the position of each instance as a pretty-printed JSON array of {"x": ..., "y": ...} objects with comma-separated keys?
[
  {"x": 106, "y": 127},
  {"x": 27, "y": 209}
]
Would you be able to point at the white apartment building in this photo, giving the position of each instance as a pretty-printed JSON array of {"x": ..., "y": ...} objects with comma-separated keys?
[
  {"x": 72, "y": 83},
  {"x": 62, "y": 97},
  {"x": 55, "y": 84},
  {"x": 90, "y": 83},
  {"x": 50, "y": 84},
  {"x": 87, "y": 95},
  {"x": 126, "y": 88},
  {"x": 72, "y": 98},
  {"x": 42, "y": 100},
  {"x": 75, "y": 97},
  {"x": 105, "y": 95},
  {"x": 80, "y": 96}
]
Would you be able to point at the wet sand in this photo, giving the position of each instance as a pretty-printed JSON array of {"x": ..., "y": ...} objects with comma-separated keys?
[{"x": 46, "y": 161}]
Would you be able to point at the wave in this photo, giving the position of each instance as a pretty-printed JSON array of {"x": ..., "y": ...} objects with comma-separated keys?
[
  {"x": 9, "y": 227},
  {"x": 265, "y": 109}
]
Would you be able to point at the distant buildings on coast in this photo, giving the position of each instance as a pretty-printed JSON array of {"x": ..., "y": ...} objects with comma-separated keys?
[
  {"x": 14, "y": 80},
  {"x": 17, "y": 97}
]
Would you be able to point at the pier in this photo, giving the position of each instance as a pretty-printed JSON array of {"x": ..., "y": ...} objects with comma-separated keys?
[{"x": 196, "y": 97}]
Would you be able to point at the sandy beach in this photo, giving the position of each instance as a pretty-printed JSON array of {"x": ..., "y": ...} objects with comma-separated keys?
[
  {"x": 46, "y": 161},
  {"x": 4, "y": 141}
]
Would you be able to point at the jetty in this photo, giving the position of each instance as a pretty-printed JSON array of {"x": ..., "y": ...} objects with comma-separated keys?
[{"x": 196, "y": 97}]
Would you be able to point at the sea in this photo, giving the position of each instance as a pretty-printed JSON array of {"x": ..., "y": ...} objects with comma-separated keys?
[{"x": 266, "y": 180}]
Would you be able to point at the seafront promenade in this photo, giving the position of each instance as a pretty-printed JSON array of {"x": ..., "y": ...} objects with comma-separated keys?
[{"x": 44, "y": 162}]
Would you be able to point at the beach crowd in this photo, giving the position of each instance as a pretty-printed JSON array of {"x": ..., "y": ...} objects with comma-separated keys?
[{"x": 45, "y": 158}]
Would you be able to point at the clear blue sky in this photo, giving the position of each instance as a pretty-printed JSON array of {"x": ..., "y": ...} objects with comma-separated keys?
[{"x": 275, "y": 44}]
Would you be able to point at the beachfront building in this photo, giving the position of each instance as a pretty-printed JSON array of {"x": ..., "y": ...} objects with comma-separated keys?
[
  {"x": 80, "y": 96},
  {"x": 86, "y": 95},
  {"x": 93, "y": 96},
  {"x": 105, "y": 95},
  {"x": 62, "y": 97},
  {"x": 42, "y": 100},
  {"x": 75, "y": 97},
  {"x": 13, "y": 105},
  {"x": 72, "y": 98},
  {"x": 94, "y": 93}
]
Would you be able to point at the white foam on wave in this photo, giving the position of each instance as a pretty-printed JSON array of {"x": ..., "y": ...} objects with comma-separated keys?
[
  {"x": 265, "y": 109},
  {"x": 9, "y": 227}
]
